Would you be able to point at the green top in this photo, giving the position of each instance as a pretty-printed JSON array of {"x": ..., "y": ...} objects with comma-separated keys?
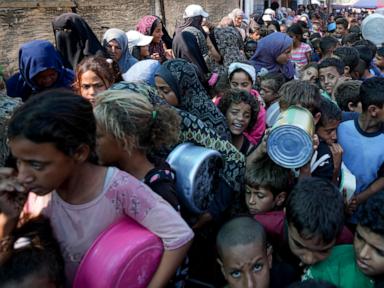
[{"x": 340, "y": 269}]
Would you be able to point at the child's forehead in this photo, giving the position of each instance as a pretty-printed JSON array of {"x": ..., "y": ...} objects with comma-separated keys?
[
  {"x": 240, "y": 252},
  {"x": 329, "y": 70},
  {"x": 256, "y": 187}
]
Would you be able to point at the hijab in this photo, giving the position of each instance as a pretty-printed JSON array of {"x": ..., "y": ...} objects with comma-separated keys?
[
  {"x": 127, "y": 60},
  {"x": 75, "y": 39},
  {"x": 268, "y": 49},
  {"x": 182, "y": 78},
  {"x": 34, "y": 57},
  {"x": 146, "y": 26},
  {"x": 143, "y": 71}
]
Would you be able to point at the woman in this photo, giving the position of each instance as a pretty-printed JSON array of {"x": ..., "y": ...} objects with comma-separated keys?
[
  {"x": 40, "y": 68},
  {"x": 177, "y": 82},
  {"x": 273, "y": 54},
  {"x": 75, "y": 39},
  {"x": 116, "y": 43}
]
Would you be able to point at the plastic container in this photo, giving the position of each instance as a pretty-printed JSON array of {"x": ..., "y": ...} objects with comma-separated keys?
[{"x": 372, "y": 28}]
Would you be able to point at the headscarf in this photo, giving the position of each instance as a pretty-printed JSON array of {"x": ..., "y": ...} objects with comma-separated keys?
[
  {"x": 195, "y": 131},
  {"x": 75, "y": 39},
  {"x": 268, "y": 49},
  {"x": 143, "y": 71},
  {"x": 182, "y": 78},
  {"x": 146, "y": 26},
  {"x": 34, "y": 57},
  {"x": 249, "y": 69},
  {"x": 127, "y": 60}
]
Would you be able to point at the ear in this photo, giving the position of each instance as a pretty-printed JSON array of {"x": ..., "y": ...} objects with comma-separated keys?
[
  {"x": 269, "y": 255},
  {"x": 82, "y": 153},
  {"x": 221, "y": 267},
  {"x": 280, "y": 198},
  {"x": 347, "y": 70},
  {"x": 351, "y": 107},
  {"x": 316, "y": 118},
  {"x": 373, "y": 110}
]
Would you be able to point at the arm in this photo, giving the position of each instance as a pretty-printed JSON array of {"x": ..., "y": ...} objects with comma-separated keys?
[
  {"x": 170, "y": 261},
  {"x": 376, "y": 186}
]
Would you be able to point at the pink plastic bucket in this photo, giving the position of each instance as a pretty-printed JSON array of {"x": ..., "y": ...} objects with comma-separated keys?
[{"x": 125, "y": 255}]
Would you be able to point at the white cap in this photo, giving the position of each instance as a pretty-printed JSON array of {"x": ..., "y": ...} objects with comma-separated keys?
[
  {"x": 267, "y": 18},
  {"x": 135, "y": 38},
  {"x": 194, "y": 10}
]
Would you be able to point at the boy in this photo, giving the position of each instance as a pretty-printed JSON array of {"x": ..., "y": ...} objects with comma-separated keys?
[
  {"x": 243, "y": 255},
  {"x": 341, "y": 27},
  {"x": 379, "y": 60},
  {"x": 327, "y": 45},
  {"x": 330, "y": 71},
  {"x": 366, "y": 56},
  {"x": 350, "y": 58},
  {"x": 267, "y": 186},
  {"x": 362, "y": 141},
  {"x": 347, "y": 95}
]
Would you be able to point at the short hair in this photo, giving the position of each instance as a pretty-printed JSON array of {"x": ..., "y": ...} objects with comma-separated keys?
[
  {"x": 342, "y": 21},
  {"x": 367, "y": 43},
  {"x": 298, "y": 92},
  {"x": 370, "y": 214},
  {"x": 237, "y": 96},
  {"x": 350, "y": 38},
  {"x": 240, "y": 231},
  {"x": 57, "y": 116},
  {"x": 365, "y": 54},
  {"x": 275, "y": 80},
  {"x": 327, "y": 43},
  {"x": 296, "y": 29},
  {"x": 355, "y": 30},
  {"x": 329, "y": 112},
  {"x": 347, "y": 91},
  {"x": 266, "y": 173},
  {"x": 127, "y": 114},
  {"x": 315, "y": 208},
  {"x": 380, "y": 51},
  {"x": 372, "y": 92},
  {"x": 332, "y": 62},
  {"x": 349, "y": 55}
]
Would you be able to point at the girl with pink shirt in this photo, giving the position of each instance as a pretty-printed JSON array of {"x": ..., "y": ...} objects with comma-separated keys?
[{"x": 52, "y": 137}]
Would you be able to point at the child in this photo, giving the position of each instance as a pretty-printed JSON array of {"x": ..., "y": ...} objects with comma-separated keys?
[
  {"x": 53, "y": 139},
  {"x": 327, "y": 45},
  {"x": 243, "y": 255},
  {"x": 270, "y": 84},
  {"x": 31, "y": 257},
  {"x": 250, "y": 48},
  {"x": 379, "y": 59},
  {"x": 341, "y": 27},
  {"x": 129, "y": 130},
  {"x": 330, "y": 71},
  {"x": 301, "y": 52},
  {"x": 267, "y": 186},
  {"x": 347, "y": 95},
  {"x": 350, "y": 57},
  {"x": 241, "y": 110},
  {"x": 362, "y": 140},
  {"x": 310, "y": 73},
  {"x": 366, "y": 57},
  {"x": 349, "y": 39}
]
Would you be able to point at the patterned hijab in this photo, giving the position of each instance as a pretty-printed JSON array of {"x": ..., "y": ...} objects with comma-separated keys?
[
  {"x": 146, "y": 26},
  {"x": 195, "y": 131},
  {"x": 182, "y": 78},
  {"x": 268, "y": 49},
  {"x": 127, "y": 60}
]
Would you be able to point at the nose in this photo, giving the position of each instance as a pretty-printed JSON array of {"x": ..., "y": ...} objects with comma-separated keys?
[
  {"x": 251, "y": 281},
  {"x": 252, "y": 199},
  {"x": 334, "y": 135},
  {"x": 364, "y": 252},
  {"x": 24, "y": 174}
]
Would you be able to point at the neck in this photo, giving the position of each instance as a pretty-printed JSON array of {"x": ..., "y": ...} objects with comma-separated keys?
[
  {"x": 85, "y": 184},
  {"x": 369, "y": 124},
  {"x": 136, "y": 164},
  {"x": 237, "y": 141}
]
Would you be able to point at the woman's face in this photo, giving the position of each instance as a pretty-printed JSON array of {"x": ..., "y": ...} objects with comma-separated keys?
[
  {"x": 91, "y": 85},
  {"x": 41, "y": 167},
  {"x": 241, "y": 80},
  {"x": 114, "y": 50},
  {"x": 284, "y": 57},
  {"x": 157, "y": 33},
  {"x": 46, "y": 78},
  {"x": 166, "y": 92},
  {"x": 238, "y": 20},
  {"x": 238, "y": 117}
]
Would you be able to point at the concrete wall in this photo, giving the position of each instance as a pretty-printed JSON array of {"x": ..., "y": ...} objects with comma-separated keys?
[{"x": 24, "y": 20}]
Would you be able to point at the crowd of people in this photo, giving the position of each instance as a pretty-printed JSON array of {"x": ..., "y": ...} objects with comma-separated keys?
[{"x": 86, "y": 126}]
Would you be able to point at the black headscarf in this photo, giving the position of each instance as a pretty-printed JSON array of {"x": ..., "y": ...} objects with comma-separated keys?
[{"x": 75, "y": 39}]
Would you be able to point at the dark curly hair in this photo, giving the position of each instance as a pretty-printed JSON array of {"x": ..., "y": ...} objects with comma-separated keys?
[
  {"x": 370, "y": 214},
  {"x": 237, "y": 96}
]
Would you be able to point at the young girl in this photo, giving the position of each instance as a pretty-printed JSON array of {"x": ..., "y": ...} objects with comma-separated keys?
[
  {"x": 53, "y": 139},
  {"x": 301, "y": 52},
  {"x": 31, "y": 257},
  {"x": 270, "y": 84},
  {"x": 241, "y": 109},
  {"x": 310, "y": 72},
  {"x": 94, "y": 75},
  {"x": 243, "y": 76},
  {"x": 129, "y": 128}
]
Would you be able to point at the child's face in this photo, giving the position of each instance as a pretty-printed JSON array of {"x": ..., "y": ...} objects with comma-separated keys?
[
  {"x": 246, "y": 266},
  {"x": 267, "y": 93},
  {"x": 328, "y": 132},
  {"x": 328, "y": 78},
  {"x": 379, "y": 61},
  {"x": 250, "y": 49},
  {"x": 309, "y": 251},
  {"x": 238, "y": 117},
  {"x": 259, "y": 199},
  {"x": 109, "y": 150},
  {"x": 91, "y": 85},
  {"x": 369, "y": 249},
  {"x": 42, "y": 168},
  {"x": 310, "y": 74},
  {"x": 242, "y": 81},
  {"x": 284, "y": 57},
  {"x": 340, "y": 30}
]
